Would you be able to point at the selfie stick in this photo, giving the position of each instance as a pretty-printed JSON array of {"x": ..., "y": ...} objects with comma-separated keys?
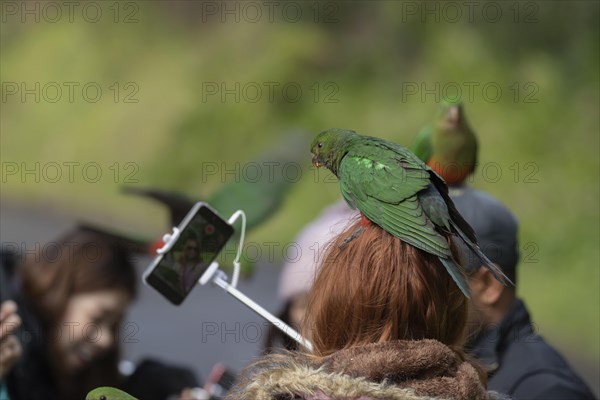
[{"x": 217, "y": 277}]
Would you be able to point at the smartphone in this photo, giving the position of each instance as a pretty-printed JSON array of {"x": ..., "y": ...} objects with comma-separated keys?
[{"x": 202, "y": 235}]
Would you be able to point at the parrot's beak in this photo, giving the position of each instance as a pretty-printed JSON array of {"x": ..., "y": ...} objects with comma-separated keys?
[
  {"x": 455, "y": 115},
  {"x": 315, "y": 161}
]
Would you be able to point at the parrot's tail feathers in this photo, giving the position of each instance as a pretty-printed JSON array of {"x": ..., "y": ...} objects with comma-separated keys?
[
  {"x": 456, "y": 275},
  {"x": 496, "y": 272}
]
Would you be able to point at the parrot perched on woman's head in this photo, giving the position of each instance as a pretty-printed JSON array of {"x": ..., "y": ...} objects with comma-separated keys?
[{"x": 394, "y": 189}]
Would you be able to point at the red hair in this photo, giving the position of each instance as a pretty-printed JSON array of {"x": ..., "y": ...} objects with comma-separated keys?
[{"x": 378, "y": 288}]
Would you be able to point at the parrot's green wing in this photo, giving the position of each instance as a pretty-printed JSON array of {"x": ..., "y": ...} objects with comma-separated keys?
[
  {"x": 407, "y": 221},
  {"x": 385, "y": 191},
  {"x": 422, "y": 146},
  {"x": 360, "y": 177},
  {"x": 262, "y": 187},
  {"x": 108, "y": 393},
  {"x": 258, "y": 200},
  {"x": 264, "y": 182}
]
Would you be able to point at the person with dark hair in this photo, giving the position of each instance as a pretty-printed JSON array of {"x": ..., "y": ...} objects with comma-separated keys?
[
  {"x": 517, "y": 359},
  {"x": 386, "y": 321},
  {"x": 72, "y": 297}
]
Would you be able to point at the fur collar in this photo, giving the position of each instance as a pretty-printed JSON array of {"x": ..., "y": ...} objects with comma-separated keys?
[{"x": 399, "y": 370}]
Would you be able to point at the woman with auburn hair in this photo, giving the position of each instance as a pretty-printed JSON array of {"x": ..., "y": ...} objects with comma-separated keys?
[{"x": 386, "y": 322}]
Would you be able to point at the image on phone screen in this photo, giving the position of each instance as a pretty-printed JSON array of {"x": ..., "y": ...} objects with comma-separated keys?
[{"x": 203, "y": 234}]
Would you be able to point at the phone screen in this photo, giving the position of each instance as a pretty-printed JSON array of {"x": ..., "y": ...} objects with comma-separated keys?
[{"x": 202, "y": 236}]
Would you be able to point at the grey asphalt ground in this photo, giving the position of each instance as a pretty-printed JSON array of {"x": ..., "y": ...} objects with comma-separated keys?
[{"x": 211, "y": 326}]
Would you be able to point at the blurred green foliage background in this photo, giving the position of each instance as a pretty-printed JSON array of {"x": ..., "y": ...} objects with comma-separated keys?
[{"x": 357, "y": 64}]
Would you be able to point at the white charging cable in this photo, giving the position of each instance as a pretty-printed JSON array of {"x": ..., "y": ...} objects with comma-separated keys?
[{"x": 236, "y": 263}]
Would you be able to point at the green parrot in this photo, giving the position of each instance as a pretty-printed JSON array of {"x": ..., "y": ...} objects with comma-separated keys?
[
  {"x": 394, "y": 189},
  {"x": 449, "y": 147},
  {"x": 260, "y": 193},
  {"x": 108, "y": 393}
]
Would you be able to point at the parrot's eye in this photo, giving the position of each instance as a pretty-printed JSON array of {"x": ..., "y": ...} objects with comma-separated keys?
[
  {"x": 320, "y": 145},
  {"x": 103, "y": 397}
]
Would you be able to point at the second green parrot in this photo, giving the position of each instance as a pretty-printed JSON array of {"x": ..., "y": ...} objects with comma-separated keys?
[{"x": 449, "y": 146}]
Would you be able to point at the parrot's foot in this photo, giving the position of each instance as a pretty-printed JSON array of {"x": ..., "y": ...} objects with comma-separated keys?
[
  {"x": 352, "y": 236},
  {"x": 364, "y": 221}
]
